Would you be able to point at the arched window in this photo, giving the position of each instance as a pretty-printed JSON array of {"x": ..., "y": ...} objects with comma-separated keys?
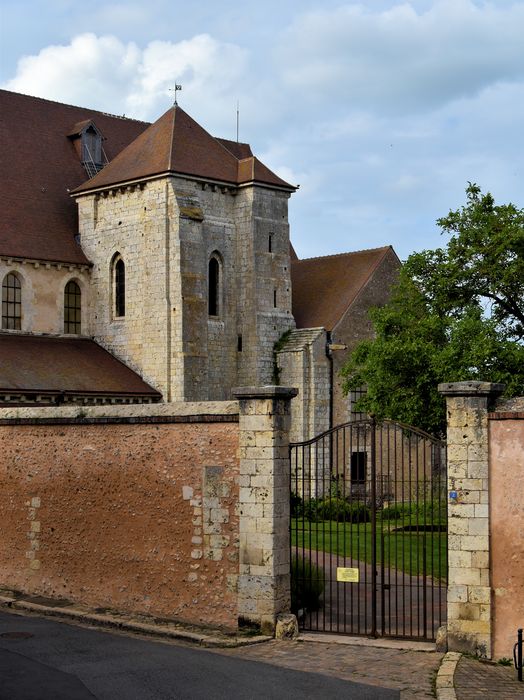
[
  {"x": 11, "y": 302},
  {"x": 72, "y": 308},
  {"x": 213, "y": 294},
  {"x": 119, "y": 286}
]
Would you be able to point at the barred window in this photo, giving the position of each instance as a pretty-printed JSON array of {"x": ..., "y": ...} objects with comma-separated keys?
[
  {"x": 72, "y": 308},
  {"x": 11, "y": 302},
  {"x": 120, "y": 287},
  {"x": 358, "y": 467}
]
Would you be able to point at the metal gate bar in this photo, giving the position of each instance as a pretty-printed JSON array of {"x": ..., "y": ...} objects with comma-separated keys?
[{"x": 368, "y": 505}]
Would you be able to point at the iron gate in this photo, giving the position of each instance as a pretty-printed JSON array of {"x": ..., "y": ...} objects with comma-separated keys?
[{"x": 368, "y": 531}]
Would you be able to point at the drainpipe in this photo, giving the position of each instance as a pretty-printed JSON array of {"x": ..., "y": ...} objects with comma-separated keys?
[{"x": 331, "y": 376}]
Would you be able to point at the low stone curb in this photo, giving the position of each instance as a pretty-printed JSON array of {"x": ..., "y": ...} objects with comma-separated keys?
[
  {"x": 444, "y": 685},
  {"x": 378, "y": 643},
  {"x": 112, "y": 621}
]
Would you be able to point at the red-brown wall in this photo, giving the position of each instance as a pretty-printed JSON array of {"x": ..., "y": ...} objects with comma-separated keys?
[
  {"x": 130, "y": 516},
  {"x": 506, "y": 448}
]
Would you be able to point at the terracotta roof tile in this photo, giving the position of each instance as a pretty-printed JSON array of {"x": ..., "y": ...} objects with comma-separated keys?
[
  {"x": 176, "y": 143},
  {"x": 77, "y": 365},
  {"x": 253, "y": 170},
  {"x": 323, "y": 288},
  {"x": 38, "y": 164},
  {"x": 239, "y": 150}
]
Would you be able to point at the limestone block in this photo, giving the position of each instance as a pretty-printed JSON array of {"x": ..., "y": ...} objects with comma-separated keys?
[{"x": 286, "y": 627}]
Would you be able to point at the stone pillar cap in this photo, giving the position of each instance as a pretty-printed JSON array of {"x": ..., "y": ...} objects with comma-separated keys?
[
  {"x": 264, "y": 392},
  {"x": 472, "y": 388}
]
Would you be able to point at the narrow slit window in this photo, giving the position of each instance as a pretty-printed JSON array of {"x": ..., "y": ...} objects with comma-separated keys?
[
  {"x": 11, "y": 303},
  {"x": 72, "y": 308},
  {"x": 275, "y": 298},
  {"x": 270, "y": 243},
  {"x": 214, "y": 287},
  {"x": 120, "y": 288},
  {"x": 239, "y": 343}
]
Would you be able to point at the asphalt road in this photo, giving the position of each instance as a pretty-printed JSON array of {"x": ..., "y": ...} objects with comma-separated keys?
[{"x": 60, "y": 661}]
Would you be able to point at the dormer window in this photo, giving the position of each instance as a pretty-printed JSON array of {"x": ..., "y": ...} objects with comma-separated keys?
[
  {"x": 92, "y": 147},
  {"x": 88, "y": 143}
]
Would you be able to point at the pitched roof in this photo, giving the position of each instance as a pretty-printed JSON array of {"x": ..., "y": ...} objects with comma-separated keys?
[
  {"x": 32, "y": 364},
  {"x": 176, "y": 143},
  {"x": 299, "y": 338},
  {"x": 38, "y": 164},
  {"x": 324, "y": 288}
]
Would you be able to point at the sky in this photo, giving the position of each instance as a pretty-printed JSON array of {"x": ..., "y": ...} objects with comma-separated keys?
[{"x": 382, "y": 111}]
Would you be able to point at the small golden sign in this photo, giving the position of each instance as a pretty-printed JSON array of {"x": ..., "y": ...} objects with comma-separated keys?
[{"x": 347, "y": 575}]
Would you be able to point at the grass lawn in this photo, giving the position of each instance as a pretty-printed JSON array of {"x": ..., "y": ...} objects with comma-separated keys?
[{"x": 398, "y": 550}]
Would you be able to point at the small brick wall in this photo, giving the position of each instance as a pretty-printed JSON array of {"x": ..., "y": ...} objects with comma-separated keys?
[
  {"x": 135, "y": 516},
  {"x": 506, "y": 450}
]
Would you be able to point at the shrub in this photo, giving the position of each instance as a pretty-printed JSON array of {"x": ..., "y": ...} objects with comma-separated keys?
[
  {"x": 311, "y": 510},
  {"x": 307, "y": 584},
  {"x": 340, "y": 510},
  {"x": 433, "y": 512},
  {"x": 397, "y": 511}
]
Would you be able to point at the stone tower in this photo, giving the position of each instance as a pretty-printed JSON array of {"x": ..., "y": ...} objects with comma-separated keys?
[{"x": 189, "y": 240}]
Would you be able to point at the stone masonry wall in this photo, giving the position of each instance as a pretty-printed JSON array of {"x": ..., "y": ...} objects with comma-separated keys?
[
  {"x": 135, "y": 222},
  {"x": 264, "y": 565},
  {"x": 356, "y": 326},
  {"x": 166, "y": 231},
  {"x": 303, "y": 364},
  {"x": 263, "y": 280},
  {"x": 469, "y": 625},
  {"x": 123, "y": 512},
  {"x": 43, "y": 287}
]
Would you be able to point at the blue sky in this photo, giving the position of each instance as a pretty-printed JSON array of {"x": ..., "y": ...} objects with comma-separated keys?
[{"x": 382, "y": 110}]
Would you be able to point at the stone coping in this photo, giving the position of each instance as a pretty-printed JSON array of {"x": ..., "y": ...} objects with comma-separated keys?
[
  {"x": 139, "y": 412},
  {"x": 264, "y": 392},
  {"x": 514, "y": 404},
  {"x": 472, "y": 388}
]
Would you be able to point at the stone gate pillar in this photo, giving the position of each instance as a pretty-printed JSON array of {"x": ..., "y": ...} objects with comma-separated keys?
[
  {"x": 469, "y": 585},
  {"x": 264, "y": 568}
]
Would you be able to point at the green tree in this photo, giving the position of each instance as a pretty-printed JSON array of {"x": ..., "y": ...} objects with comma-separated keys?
[{"x": 457, "y": 313}]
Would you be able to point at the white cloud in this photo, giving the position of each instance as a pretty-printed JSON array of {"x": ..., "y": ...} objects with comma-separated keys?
[
  {"x": 207, "y": 70},
  {"x": 398, "y": 59},
  {"x": 92, "y": 71},
  {"x": 382, "y": 110},
  {"x": 107, "y": 74}
]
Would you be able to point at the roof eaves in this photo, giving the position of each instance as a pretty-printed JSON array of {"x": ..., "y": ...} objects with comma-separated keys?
[
  {"x": 46, "y": 261},
  {"x": 154, "y": 176}
]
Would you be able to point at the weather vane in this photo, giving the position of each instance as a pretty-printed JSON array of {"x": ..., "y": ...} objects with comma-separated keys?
[{"x": 175, "y": 90}]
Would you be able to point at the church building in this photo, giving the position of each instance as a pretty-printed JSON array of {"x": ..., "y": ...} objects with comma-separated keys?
[{"x": 152, "y": 263}]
